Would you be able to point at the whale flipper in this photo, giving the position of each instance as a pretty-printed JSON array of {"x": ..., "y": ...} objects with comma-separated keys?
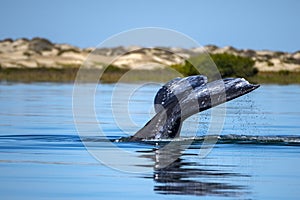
[{"x": 181, "y": 98}]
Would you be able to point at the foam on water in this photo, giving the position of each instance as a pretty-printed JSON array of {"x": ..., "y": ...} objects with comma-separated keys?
[
  {"x": 72, "y": 140},
  {"x": 236, "y": 139}
]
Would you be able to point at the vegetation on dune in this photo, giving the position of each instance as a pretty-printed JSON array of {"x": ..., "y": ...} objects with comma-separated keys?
[
  {"x": 235, "y": 66},
  {"x": 228, "y": 65}
]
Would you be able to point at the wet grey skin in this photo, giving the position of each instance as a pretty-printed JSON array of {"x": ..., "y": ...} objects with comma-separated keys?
[{"x": 181, "y": 98}]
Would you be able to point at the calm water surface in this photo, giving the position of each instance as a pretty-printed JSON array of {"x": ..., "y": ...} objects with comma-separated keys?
[{"x": 42, "y": 156}]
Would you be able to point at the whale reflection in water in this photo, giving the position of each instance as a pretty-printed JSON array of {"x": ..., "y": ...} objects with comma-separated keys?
[{"x": 186, "y": 177}]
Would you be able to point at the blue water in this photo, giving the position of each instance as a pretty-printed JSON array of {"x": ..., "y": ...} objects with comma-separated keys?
[{"x": 43, "y": 157}]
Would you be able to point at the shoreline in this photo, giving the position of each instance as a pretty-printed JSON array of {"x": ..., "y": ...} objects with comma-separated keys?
[
  {"x": 40, "y": 60},
  {"x": 68, "y": 75}
]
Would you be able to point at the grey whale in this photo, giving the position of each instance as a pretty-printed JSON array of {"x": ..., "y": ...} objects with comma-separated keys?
[{"x": 181, "y": 98}]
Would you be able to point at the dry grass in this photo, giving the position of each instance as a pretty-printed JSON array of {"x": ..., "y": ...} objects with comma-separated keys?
[
  {"x": 111, "y": 76},
  {"x": 68, "y": 75}
]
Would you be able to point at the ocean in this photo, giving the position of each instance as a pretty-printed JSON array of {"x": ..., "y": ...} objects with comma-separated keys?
[{"x": 44, "y": 155}]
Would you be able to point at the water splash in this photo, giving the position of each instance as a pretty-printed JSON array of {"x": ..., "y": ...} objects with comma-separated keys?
[{"x": 76, "y": 141}]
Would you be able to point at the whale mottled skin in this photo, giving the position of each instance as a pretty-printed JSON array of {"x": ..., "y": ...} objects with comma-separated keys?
[
  {"x": 170, "y": 93},
  {"x": 181, "y": 98}
]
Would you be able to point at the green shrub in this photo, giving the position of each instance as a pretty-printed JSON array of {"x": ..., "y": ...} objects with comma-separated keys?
[
  {"x": 236, "y": 66},
  {"x": 186, "y": 69},
  {"x": 115, "y": 69},
  {"x": 284, "y": 72},
  {"x": 270, "y": 64},
  {"x": 228, "y": 65}
]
